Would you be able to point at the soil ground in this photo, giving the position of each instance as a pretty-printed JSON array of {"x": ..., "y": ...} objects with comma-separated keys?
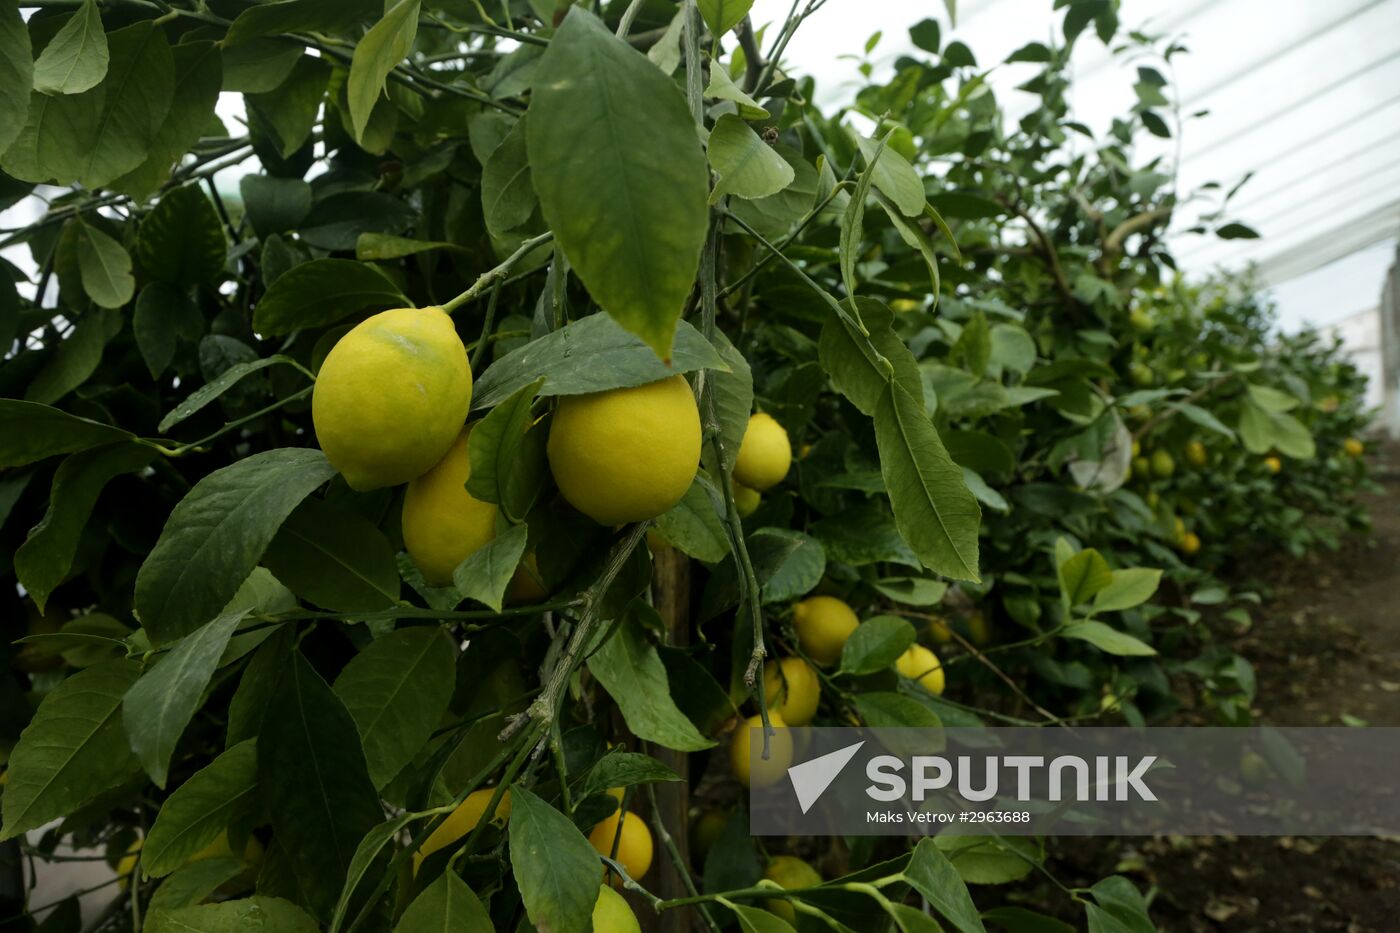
[{"x": 1325, "y": 648}]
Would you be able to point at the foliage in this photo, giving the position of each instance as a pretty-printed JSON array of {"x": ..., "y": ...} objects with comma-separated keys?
[{"x": 968, "y": 326}]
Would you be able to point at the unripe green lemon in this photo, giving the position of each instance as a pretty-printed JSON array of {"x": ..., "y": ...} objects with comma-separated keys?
[
  {"x": 391, "y": 397},
  {"x": 921, "y": 665},
  {"x": 764, "y": 771},
  {"x": 746, "y": 500},
  {"x": 626, "y": 455},
  {"x": 1142, "y": 468},
  {"x": 791, "y": 874},
  {"x": 611, "y": 913},
  {"x": 765, "y": 454},
  {"x": 1163, "y": 466},
  {"x": 634, "y": 845},
  {"x": 979, "y": 630},
  {"x": 1196, "y": 454},
  {"x": 705, "y": 831},
  {"x": 443, "y": 524},
  {"x": 462, "y": 821},
  {"x": 1142, "y": 374},
  {"x": 792, "y": 689},
  {"x": 823, "y": 623}
]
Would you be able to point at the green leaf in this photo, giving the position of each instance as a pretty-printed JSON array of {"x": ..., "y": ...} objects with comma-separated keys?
[
  {"x": 161, "y": 704},
  {"x": 507, "y": 466},
  {"x": 378, "y": 53},
  {"x": 98, "y": 135},
  {"x": 747, "y": 166},
  {"x": 321, "y": 292},
  {"x": 1021, "y": 920},
  {"x": 788, "y": 563},
  {"x": 1083, "y": 576},
  {"x": 895, "y": 711},
  {"x": 757, "y": 920},
  {"x": 593, "y": 354},
  {"x": 931, "y": 874},
  {"x": 30, "y": 432},
  {"x": 894, "y": 177},
  {"x": 1262, "y": 430},
  {"x": 485, "y": 575},
  {"x": 210, "y": 391},
  {"x": 1128, "y": 588},
  {"x": 624, "y": 769},
  {"x": 72, "y": 750},
  {"x": 215, "y": 536},
  {"x": 198, "y": 77},
  {"x": 289, "y": 110},
  {"x": 876, "y": 644},
  {"x": 774, "y": 216},
  {"x": 328, "y": 16},
  {"x": 556, "y": 868},
  {"x": 222, "y": 793},
  {"x": 722, "y": 87},
  {"x": 315, "y": 782},
  {"x": 193, "y": 883},
  {"x": 277, "y": 204},
  {"x": 334, "y": 558},
  {"x": 507, "y": 193},
  {"x": 397, "y": 690},
  {"x": 181, "y": 240},
  {"x": 1198, "y": 415},
  {"x": 1122, "y": 901},
  {"x": 988, "y": 859},
  {"x": 911, "y": 591},
  {"x": 105, "y": 267},
  {"x": 733, "y": 395},
  {"x": 694, "y": 525},
  {"x": 373, "y": 247},
  {"x": 914, "y": 235},
  {"x": 1108, "y": 639},
  {"x": 933, "y": 508},
  {"x": 42, "y": 562},
  {"x": 163, "y": 315},
  {"x": 259, "y": 65},
  {"x": 366, "y": 854},
  {"x": 849, "y": 357},
  {"x": 1236, "y": 231},
  {"x": 76, "y": 57},
  {"x": 77, "y": 356},
  {"x": 630, "y": 670},
  {"x": 446, "y": 904},
  {"x": 620, "y": 176},
  {"x": 255, "y": 914},
  {"x": 723, "y": 15},
  {"x": 16, "y": 74}
]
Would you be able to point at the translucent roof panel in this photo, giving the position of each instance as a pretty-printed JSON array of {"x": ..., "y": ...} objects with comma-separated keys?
[{"x": 1304, "y": 94}]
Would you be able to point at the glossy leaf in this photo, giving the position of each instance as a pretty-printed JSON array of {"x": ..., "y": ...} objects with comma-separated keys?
[
  {"x": 556, "y": 869},
  {"x": 222, "y": 793},
  {"x": 876, "y": 644},
  {"x": 1108, "y": 639},
  {"x": 76, "y": 57},
  {"x": 321, "y": 292},
  {"x": 335, "y": 558},
  {"x": 485, "y": 575},
  {"x": 105, "y": 267},
  {"x": 182, "y": 241},
  {"x": 30, "y": 431},
  {"x": 620, "y": 176},
  {"x": 747, "y": 166},
  {"x": 377, "y": 54},
  {"x": 446, "y": 904},
  {"x": 256, "y": 914},
  {"x": 931, "y": 874},
  {"x": 16, "y": 74},
  {"x": 507, "y": 193},
  {"x": 723, "y": 15}
]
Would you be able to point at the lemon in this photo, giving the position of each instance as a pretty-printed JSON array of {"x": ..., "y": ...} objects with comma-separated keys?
[
  {"x": 634, "y": 846},
  {"x": 612, "y": 915},
  {"x": 1163, "y": 466},
  {"x": 979, "y": 630},
  {"x": 1353, "y": 447},
  {"x": 1190, "y": 543},
  {"x": 764, "y": 455},
  {"x": 823, "y": 624},
  {"x": 391, "y": 397},
  {"x": 127, "y": 863},
  {"x": 921, "y": 665},
  {"x": 768, "y": 770},
  {"x": 746, "y": 500},
  {"x": 939, "y": 630},
  {"x": 462, "y": 821},
  {"x": 443, "y": 524},
  {"x": 1142, "y": 468},
  {"x": 792, "y": 689},
  {"x": 791, "y": 874},
  {"x": 1196, "y": 454},
  {"x": 626, "y": 455},
  {"x": 705, "y": 831},
  {"x": 1273, "y": 464}
]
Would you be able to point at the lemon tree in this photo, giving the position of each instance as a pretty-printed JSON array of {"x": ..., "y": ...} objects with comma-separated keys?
[{"x": 421, "y": 492}]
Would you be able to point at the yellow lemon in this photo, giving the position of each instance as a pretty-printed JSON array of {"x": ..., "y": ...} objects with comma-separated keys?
[
  {"x": 634, "y": 845},
  {"x": 391, "y": 397},
  {"x": 792, "y": 689},
  {"x": 443, "y": 524},
  {"x": 1190, "y": 543},
  {"x": 979, "y": 630},
  {"x": 823, "y": 624},
  {"x": 791, "y": 874},
  {"x": 1273, "y": 464},
  {"x": 127, "y": 863},
  {"x": 768, "y": 770},
  {"x": 462, "y": 821},
  {"x": 939, "y": 631},
  {"x": 746, "y": 500},
  {"x": 1353, "y": 447},
  {"x": 611, "y": 913},
  {"x": 922, "y": 665},
  {"x": 1196, "y": 454},
  {"x": 764, "y": 455},
  {"x": 626, "y": 455}
]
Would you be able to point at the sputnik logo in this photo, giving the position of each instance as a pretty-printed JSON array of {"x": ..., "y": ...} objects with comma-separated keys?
[{"x": 811, "y": 778}]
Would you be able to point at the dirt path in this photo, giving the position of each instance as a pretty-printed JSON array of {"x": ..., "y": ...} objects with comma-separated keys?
[{"x": 1326, "y": 648}]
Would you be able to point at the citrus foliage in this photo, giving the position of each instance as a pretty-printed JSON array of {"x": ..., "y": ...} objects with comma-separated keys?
[{"x": 922, "y": 415}]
